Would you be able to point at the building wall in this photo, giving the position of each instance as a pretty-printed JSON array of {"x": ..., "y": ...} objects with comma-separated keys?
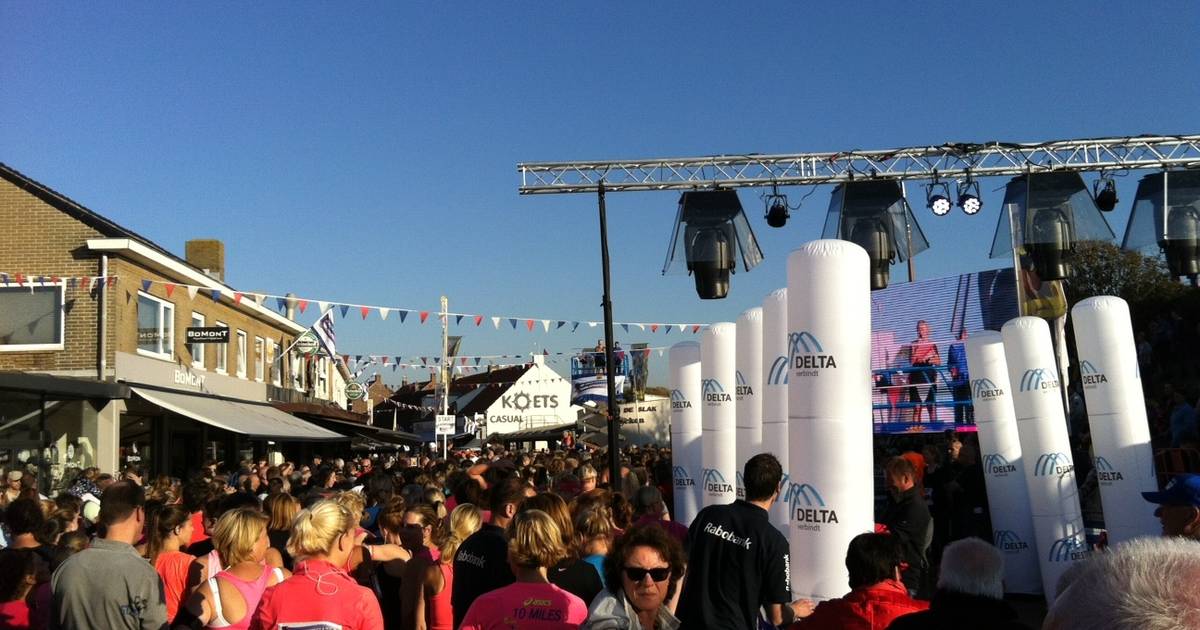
[
  {"x": 541, "y": 397},
  {"x": 37, "y": 238}
]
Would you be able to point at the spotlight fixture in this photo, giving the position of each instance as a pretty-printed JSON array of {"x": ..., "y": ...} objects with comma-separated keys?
[
  {"x": 875, "y": 215},
  {"x": 939, "y": 201},
  {"x": 1106, "y": 197},
  {"x": 711, "y": 231},
  {"x": 968, "y": 197},
  {"x": 1166, "y": 218},
  {"x": 777, "y": 208}
]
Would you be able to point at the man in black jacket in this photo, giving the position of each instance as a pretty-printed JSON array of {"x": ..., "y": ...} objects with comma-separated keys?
[{"x": 907, "y": 518}]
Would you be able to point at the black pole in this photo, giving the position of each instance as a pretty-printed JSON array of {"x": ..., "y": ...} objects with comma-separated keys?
[{"x": 614, "y": 411}]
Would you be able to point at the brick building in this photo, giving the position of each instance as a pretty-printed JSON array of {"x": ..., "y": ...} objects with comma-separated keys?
[{"x": 100, "y": 372}]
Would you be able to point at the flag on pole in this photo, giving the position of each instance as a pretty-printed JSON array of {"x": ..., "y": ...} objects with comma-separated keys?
[{"x": 323, "y": 329}]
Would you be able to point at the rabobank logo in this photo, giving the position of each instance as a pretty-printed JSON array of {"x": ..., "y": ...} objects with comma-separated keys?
[
  {"x": 1053, "y": 464},
  {"x": 679, "y": 401},
  {"x": 714, "y": 481},
  {"x": 1068, "y": 549},
  {"x": 1039, "y": 379},
  {"x": 1090, "y": 375},
  {"x": 1106, "y": 473},
  {"x": 1008, "y": 541},
  {"x": 808, "y": 355},
  {"x": 778, "y": 374},
  {"x": 714, "y": 392},
  {"x": 807, "y": 508},
  {"x": 997, "y": 465},
  {"x": 683, "y": 479},
  {"x": 984, "y": 389},
  {"x": 742, "y": 387}
]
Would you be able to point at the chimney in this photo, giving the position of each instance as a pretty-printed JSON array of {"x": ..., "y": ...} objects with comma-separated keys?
[
  {"x": 290, "y": 301},
  {"x": 207, "y": 254}
]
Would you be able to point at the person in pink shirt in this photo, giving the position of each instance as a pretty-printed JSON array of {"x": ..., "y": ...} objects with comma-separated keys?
[
  {"x": 532, "y": 602},
  {"x": 320, "y": 595}
]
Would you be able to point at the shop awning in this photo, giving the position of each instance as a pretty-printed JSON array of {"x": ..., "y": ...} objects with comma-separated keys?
[
  {"x": 550, "y": 432},
  {"x": 254, "y": 420},
  {"x": 349, "y": 423}
]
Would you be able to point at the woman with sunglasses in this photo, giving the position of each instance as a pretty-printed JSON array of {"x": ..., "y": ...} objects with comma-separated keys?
[
  {"x": 320, "y": 594},
  {"x": 642, "y": 573}
]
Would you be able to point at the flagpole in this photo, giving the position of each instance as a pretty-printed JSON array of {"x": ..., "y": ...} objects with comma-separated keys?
[{"x": 445, "y": 373}]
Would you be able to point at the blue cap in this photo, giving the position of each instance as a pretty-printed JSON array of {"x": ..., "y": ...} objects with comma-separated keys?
[{"x": 1182, "y": 490}]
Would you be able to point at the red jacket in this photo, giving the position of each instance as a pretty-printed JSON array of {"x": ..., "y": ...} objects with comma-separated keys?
[{"x": 864, "y": 608}]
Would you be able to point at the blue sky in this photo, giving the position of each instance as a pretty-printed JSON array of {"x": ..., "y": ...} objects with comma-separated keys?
[{"x": 366, "y": 152}]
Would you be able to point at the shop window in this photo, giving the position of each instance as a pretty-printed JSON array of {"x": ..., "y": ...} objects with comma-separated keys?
[
  {"x": 276, "y": 365},
  {"x": 241, "y": 354},
  {"x": 322, "y": 389},
  {"x": 156, "y": 327},
  {"x": 197, "y": 349},
  {"x": 31, "y": 317},
  {"x": 222, "y": 352},
  {"x": 260, "y": 358}
]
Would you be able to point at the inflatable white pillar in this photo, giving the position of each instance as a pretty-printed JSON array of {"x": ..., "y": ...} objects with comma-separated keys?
[
  {"x": 774, "y": 395},
  {"x": 1003, "y": 468},
  {"x": 686, "y": 431},
  {"x": 749, "y": 390},
  {"x": 1112, "y": 386},
  {"x": 1045, "y": 448},
  {"x": 831, "y": 491},
  {"x": 718, "y": 413}
]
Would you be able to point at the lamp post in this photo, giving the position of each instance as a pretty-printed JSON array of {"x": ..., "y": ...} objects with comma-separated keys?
[{"x": 614, "y": 411}]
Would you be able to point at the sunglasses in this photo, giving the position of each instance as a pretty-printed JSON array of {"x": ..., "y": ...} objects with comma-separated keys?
[{"x": 637, "y": 574}]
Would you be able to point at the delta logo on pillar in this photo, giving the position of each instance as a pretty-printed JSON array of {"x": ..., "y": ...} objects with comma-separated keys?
[
  {"x": 1039, "y": 379},
  {"x": 1053, "y": 464},
  {"x": 808, "y": 356},
  {"x": 998, "y": 465},
  {"x": 683, "y": 479},
  {"x": 1008, "y": 541},
  {"x": 985, "y": 389},
  {"x": 741, "y": 486},
  {"x": 1091, "y": 376},
  {"x": 778, "y": 374},
  {"x": 714, "y": 392},
  {"x": 1068, "y": 549},
  {"x": 679, "y": 401},
  {"x": 714, "y": 481},
  {"x": 807, "y": 508},
  {"x": 741, "y": 387},
  {"x": 1106, "y": 473}
]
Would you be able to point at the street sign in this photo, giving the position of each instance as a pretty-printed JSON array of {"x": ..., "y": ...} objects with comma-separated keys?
[
  {"x": 307, "y": 344},
  {"x": 443, "y": 425},
  {"x": 355, "y": 391},
  {"x": 211, "y": 334}
]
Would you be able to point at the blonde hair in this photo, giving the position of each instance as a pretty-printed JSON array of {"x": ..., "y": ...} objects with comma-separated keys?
[
  {"x": 593, "y": 525},
  {"x": 283, "y": 509},
  {"x": 236, "y": 534},
  {"x": 354, "y": 502},
  {"x": 466, "y": 519},
  {"x": 316, "y": 529},
  {"x": 534, "y": 540}
]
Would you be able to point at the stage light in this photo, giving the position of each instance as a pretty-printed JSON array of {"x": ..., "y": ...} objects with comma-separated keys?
[
  {"x": 939, "y": 201},
  {"x": 714, "y": 234},
  {"x": 777, "y": 208},
  {"x": 1105, "y": 194},
  {"x": 968, "y": 197},
  {"x": 1166, "y": 217},
  {"x": 875, "y": 215}
]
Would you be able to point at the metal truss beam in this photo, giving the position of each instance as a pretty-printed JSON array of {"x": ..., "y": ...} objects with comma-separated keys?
[{"x": 948, "y": 161}]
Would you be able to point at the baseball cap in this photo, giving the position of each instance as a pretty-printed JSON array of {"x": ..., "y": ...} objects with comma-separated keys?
[
  {"x": 1182, "y": 490},
  {"x": 15, "y": 475}
]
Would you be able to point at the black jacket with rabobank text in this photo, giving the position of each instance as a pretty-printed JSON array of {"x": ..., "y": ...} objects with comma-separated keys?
[{"x": 480, "y": 566}]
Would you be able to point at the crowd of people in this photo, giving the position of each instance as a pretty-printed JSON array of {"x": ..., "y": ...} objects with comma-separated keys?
[{"x": 513, "y": 540}]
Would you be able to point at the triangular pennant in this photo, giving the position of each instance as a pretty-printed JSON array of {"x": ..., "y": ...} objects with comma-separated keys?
[
  {"x": 496, "y": 323},
  {"x": 3, "y": 278},
  {"x": 146, "y": 285},
  {"x": 695, "y": 329},
  {"x": 682, "y": 327},
  {"x": 54, "y": 279},
  {"x": 424, "y": 362},
  {"x": 403, "y": 313},
  {"x": 559, "y": 324},
  {"x": 384, "y": 312},
  {"x": 357, "y": 358},
  {"x": 546, "y": 325},
  {"x": 660, "y": 352},
  {"x": 366, "y": 310},
  {"x": 303, "y": 304},
  {"x": 666, "y": 329},
  {"x": 592, "y": 324},
  {"x": 478, "y": 319},
  {"x": 424, "y": 316},
  {"x": 545, "y": 353},
  {"x": 477, "y": 360},
  {"x": 322, "y": 307},
  {"x": 280, "y": 304},
  {"x": 192, "y": 291},
  {"x": 20, "y": 280},
  {"x": 625, "y": 326},
  {"x": 384, "y": 359},
  {"x": 641, "y": 327},
  {"x": 70, "y": 281},
  {"x": 170, "y": 288},
  {"x": 344, "y": 308},
  {"x": 653, "y": 328},
  {"x": 112, "y": 281},
  {"x": 258, "y": 298},
  {"x": 237, "y": 298},
  {"x": 458, "y": 319},
  {"x": 574, "y": 326},
  {"x": 529, "y": 325},
  {"x": 513, "y": 321},
  {"x": 216, "y": 295}
]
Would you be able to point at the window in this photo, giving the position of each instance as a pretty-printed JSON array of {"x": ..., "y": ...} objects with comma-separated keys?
[
  {"x": 298, "y": 365},
  {"x": 276, "y": 365},
  {"x": 197, "y": 349},
  {"x": 31, "y": 318},
  {"x": 222, "y": 352},
  {"x": 260, "y": 358},
  {"x": 156, "y": 327},
  {"x": 241, "y": 354},
  {"x": 322, "y": 388}
]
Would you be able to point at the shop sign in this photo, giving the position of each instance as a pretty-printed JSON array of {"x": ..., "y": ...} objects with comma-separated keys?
[
  {"x": 355, "y": 391},
  {"x": 211, "y": 334},
  {"x": 307, "y": 344}
]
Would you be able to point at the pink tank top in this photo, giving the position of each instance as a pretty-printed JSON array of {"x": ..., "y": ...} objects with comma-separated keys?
[
  {"x": 439, "y": 614},
  {"x": 251, "y": 592}
]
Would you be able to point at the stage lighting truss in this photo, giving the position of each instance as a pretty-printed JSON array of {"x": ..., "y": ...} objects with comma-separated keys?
[
  {"x": 938, "y": 197},
  {"x": 968, "y": 196}
]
